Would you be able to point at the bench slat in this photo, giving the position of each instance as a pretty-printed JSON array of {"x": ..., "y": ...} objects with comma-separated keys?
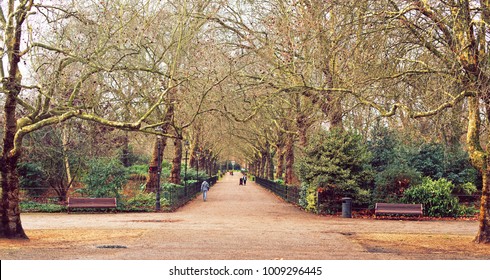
[
  {"x": 398, "y": 208},
  {"x": 103, "y": 202}
]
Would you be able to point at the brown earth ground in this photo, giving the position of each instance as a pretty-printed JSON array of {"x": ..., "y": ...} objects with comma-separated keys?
[{"x": 239, "y": 222}]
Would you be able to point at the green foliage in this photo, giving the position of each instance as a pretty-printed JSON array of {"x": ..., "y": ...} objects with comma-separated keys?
[
  {"x": 142, "y": 201},
  {"x": 393, "y": 180},
  {"x": 279, "y": 181},
  {"x": 32, "y": 206},
  {"x": 436, "y": 197},
  {"x": 466, "y": 189},
  {"x": 170, "y": 186},
  {"x": 458, "y": 168},
  {"x": 131, "y": 158},
  {"x": 32, "y": 178},
  {"x": 104, "y": 178},
  {"x": 436, "y": 161},
  {"x": 335, "y": 162},
  {"x": 192, "y": 176},
  {"x": 467, "y": 211},
  {"x": 141, "y": 169},
  {"x": 429, "y": 160},
  {"x": 383, "y": 146},
  {"x": 400, "y": 166},
  {"x": 308, "y": 198}
]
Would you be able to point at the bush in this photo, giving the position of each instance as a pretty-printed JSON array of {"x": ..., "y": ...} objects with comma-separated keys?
[
  {"x": 436, "y": 197},
  {"x": 141, "y": 169},
  {"x": 465, "y": 189},
  {"x": 170, "y": 186},
  {"x": 279, "y": 181},
  {"x": 143, "y": 201},
  {"x": 104, "y": 178},
  {"x": 130, "y": 158},
  {"x": 307, "y": 198},
  {"x": 383, "y": 146},
  {"x": 428, "y": 159},
  {"x": 393, "y": 181},
  {"x": 32, "y": 178},
  {"x": 31, "y": 206},
  {"x": 336, "y": 164}
]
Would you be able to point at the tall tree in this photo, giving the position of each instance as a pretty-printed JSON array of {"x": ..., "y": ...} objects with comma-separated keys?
[
  {"x": 435, "y": 56},
  {"x": 31, "y": 107}
]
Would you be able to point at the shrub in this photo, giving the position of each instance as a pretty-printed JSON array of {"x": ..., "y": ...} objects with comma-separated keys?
[
  {"x": 307, "y": 198},
  {"x": 428, "y": 159},
  {"x": 31, "y": 206},
  {"x": 436, "y": 197},
  {"x": 466, "y": 189},
  {"x": 143, "y": 201},
  {"x": 32, "y": 178},
  {"x": 130, "y": 158},
  {"x": 170, "y": 186},
  {"x": 336, "y": 164},
  {"x": 141, "y": 169},
  {"x": 279, "y": 181},
  {"x": 104, "y": 178},
  {"x": 383, "y": 145},
  {"x": 393, "y": 181}
]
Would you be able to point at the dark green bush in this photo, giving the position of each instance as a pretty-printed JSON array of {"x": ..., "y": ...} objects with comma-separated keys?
[
  {"x": 336, "y": 164},
  {"x": 142, "y": 201},
  {"x": 436, "y": 197},
  {"x": 141, "y": 169},
  {"x": 383, "y": 145},
  {"x": 32, "y": 178},
  {"x": 393, "y": 181},
  {"x": 32, "y": 206},
  {"x": 104, "y": 178}
]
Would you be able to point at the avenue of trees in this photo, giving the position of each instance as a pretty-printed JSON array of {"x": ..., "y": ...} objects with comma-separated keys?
[{"x": 265, "y": 79}]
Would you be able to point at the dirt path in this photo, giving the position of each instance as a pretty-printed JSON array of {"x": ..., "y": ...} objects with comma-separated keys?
[{"x": 239, "y": 222}]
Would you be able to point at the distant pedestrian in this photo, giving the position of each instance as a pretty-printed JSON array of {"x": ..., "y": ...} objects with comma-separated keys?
[
  {"x": 245, "y": 179},
  {"x": 205, "y": 189}
]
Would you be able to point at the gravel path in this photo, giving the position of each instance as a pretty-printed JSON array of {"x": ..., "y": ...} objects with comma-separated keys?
[{"x": 239, "y": 222}]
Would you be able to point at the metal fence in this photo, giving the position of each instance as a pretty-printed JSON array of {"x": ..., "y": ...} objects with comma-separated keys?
[
  {"x": 328, "y": 205},
  {"x": 172, "y": 198},
  {"x": 178, "y": 197},
  {"x": 288, "y": 193}
]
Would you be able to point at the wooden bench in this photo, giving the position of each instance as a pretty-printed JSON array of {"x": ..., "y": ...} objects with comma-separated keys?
[
  {"x": 79, "y": 202},
  {"x": 398, "y": 209}
]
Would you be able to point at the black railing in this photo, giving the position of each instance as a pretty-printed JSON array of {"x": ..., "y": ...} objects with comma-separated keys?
[
  {"x": 288, "y": 193},
  {"x": 177, "y": 197},
  {"x": 172, "y": 198}
]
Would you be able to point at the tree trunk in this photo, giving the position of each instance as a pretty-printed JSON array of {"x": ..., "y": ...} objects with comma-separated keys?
[
  {"x": 483, "y": 235},
  {"x": 289, "y": 155},
  {"x": 263, "y": 163},
  {"x": 480, "y": 161},
  {"x": 155, "y": 166},
  {"x": 125, "y": 150},
  {"x": 270, "y": 162},
  {"x": 11, "y": 226},
  {"x": 176, "y": 162},
  {"x": 152, "y": 180},
  {"x": 280, "y": 161},
  {"x": 66, "y": 159}
]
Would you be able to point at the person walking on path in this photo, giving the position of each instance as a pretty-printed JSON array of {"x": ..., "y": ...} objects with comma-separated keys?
[
  {"x": 204, "y": 189},
  {"x": 244, "y": 179}
]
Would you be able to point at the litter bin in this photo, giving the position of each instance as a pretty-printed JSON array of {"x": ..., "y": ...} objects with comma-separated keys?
[{"x": 346, "y": 207}]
